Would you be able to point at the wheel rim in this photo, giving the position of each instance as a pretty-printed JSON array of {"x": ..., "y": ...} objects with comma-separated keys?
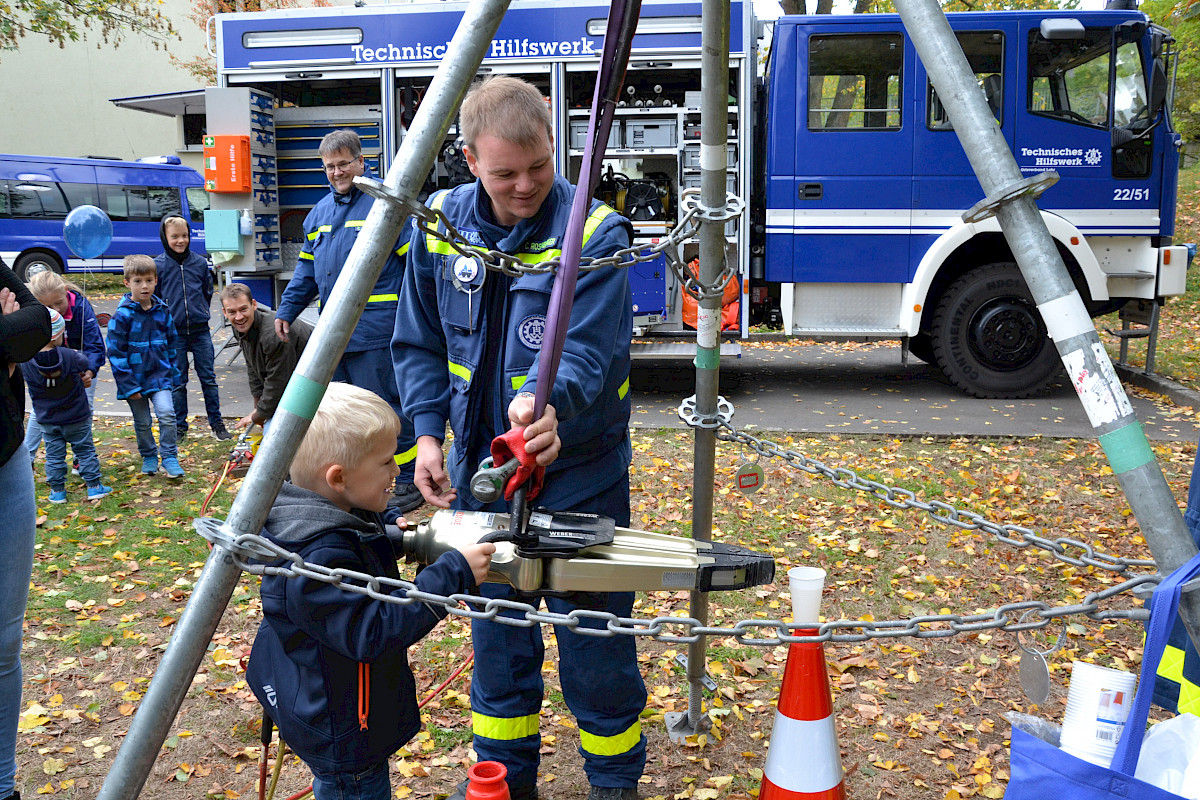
[{"x": 1005, "y": 334}]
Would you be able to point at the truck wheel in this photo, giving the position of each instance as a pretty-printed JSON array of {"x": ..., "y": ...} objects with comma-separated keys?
[
  {"x": 33, "y": 261},
  {"x": 921, "y": 346},
  {"x": 988, "y": 337}
]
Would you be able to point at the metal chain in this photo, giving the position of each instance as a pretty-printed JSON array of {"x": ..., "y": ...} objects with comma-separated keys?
[
  {"x": 1062, "y": 548},
  {"x": 435, "y": 223},
  {"x": 260, "y": 556}
]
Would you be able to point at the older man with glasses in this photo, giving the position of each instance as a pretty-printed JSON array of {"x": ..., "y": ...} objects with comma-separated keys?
[{"x": 330, "y": 231}]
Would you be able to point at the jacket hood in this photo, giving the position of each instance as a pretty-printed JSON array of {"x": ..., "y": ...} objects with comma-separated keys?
[
  {"x": 50, "y": 364},
  {"x": 162, "y": 237},
  {"x": 299, "y": 515}
]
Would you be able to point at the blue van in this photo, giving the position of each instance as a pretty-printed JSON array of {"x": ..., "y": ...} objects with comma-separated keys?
[{"x": 37, "y": 192}]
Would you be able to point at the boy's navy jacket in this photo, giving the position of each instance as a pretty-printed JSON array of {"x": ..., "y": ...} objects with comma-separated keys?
[
  {"x": 141, "y": 348},
  {"x": 187, "y": 288},
  {"x": 55, "y": 386},
  {"x": 83, "y": 331},
  {"x": 304, "y": 667}
]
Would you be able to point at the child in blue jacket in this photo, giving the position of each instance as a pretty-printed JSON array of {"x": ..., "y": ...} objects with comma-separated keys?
[
  {"x": 330, "y": 666},
  {"x": 141, "y": 349},
  {"x": 55, "y": 380},
  {"x": 82, "y": 333},
  {"x": 185, "y": 283}
]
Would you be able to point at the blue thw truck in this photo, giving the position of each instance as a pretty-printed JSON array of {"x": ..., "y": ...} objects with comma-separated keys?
[{"x": 855, "y": 181}]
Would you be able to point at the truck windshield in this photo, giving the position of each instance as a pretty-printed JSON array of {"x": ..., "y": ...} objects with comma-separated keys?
[{"x": 1069, "y": 79}]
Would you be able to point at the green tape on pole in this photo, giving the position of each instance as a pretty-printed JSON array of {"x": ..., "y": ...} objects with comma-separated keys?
[
  {"x": 302, "y": 396},
  {"x": 1127, "y": 448},
  {"x": 707, "y": 357}
]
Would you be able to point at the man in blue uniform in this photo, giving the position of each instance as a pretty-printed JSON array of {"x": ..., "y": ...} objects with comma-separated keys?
[
  {"x": 330, "y": 230},
  {"x": 465, "y": 350}
]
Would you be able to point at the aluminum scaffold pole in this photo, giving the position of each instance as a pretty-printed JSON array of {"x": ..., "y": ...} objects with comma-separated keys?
[
  {"x": 1012, "y": 199},
  {"x": 383, "y": 225}
]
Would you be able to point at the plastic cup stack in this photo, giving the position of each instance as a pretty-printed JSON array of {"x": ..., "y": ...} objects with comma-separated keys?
[
  {"x": 1098, "y": 704},
  {"x": 806, "y": 584}
]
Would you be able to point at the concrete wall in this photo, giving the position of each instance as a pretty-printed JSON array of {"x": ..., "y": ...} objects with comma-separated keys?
[{"x": 61, "y": 97}]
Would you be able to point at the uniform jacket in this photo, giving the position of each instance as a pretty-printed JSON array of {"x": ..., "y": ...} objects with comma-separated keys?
[
  {"x": 270, "y": 361},
  {"x": 330, "y": 230},
  {"x": 55, "y": 386},
  {"x": 83, "y": 331},
  {"x": 22, "y": 334},
  {"x": 141, "y": 348},
  {"x": 443, "y": 333},
  {"x": 304, "y": 667},
  {"x": 187, "y": 289}
]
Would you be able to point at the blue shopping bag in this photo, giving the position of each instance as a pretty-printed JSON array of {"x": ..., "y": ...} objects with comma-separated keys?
[{"x": 1040, "y": 770}]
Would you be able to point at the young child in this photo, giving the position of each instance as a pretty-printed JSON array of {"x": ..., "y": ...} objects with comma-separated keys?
[
  {"x": 141, "y": 349},
  {"x": 82, "y": 333},
  {"x": 331, "y": 666},
  {"x": 185, "y": 282},
  {"x": 55, "y": 380}
]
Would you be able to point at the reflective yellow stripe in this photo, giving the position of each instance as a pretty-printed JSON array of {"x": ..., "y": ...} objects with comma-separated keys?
[
  {"x": 611, "y": 745},
  {"x": 460, "y": 371},
  {"x": 307, "y": 256},
  {"x": 1171, "y": 665},
  {"x": 1189, "y": 698},
  {"x": 538, "y": 258},
  {"x": 623, "y": 390},
  {"x": 402, "y": 249},
  {"x": 518, "y": 382},
  {"x": 383, "y": 298},
  {"x": 320, "y": 229},
  {"x": 504, "y": 728},
  {"x": 354, "y": 223},
  {"x": 432, "y": 243},
  {"x": 589, "y": 227},
  {"x": 407, "y": 456}
]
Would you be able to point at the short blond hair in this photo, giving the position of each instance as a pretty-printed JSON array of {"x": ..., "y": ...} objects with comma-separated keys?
[
  {"x": 347, "y": 424},
  {"x": 508, "y": 108},
  {"x": 47, "y": 282},
  {"x": 132, "y": 266}
]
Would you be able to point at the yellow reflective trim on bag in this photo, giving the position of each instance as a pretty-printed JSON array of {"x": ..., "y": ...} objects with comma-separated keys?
[
  {"x": 518, "y": 382},
  {"x": 623, "y": 390},
  {"x": 383, "y": 298},
  {"x": 408, "y": 455},
  {"x": 1171, "y": 665},
  {"x": 460, "y": 371},
  {"x": 1189, "y": 698},
  {"x": 611, "y": 745},
  {"x": 504, "y": 728}
]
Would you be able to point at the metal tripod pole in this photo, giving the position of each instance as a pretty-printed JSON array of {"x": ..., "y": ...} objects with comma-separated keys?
[
  {"x": 338, "y": 318},
  {"x": 714, "y": 92},
  {"x": 1011, "y": 198}
]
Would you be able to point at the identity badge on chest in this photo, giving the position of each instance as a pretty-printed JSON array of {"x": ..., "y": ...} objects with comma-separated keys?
[{"x": 468, "y": 274}]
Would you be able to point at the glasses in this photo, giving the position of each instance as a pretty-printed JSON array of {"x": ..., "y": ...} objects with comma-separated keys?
[{"x": 341, "y": 166}]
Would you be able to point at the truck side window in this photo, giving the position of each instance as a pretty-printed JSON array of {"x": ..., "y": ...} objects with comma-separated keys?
[
  {"x": 985, "y": 54},
  {"x": 198, "y": 203},
  {"x": 1068, "y": 78},
  {"x": 854, "y": 82}
]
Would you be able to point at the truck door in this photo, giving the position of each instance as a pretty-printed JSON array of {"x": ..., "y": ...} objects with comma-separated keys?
[{"x": 853, "y": 156}]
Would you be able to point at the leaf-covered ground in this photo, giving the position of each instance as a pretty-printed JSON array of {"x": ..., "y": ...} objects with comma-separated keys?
[{"x": 917, "y": 718}]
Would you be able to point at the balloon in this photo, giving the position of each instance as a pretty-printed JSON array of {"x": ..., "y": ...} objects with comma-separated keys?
[{"x": 88, "y": 231}]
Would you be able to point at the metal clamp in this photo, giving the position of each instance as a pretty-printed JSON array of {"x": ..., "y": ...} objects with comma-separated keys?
[
  {"x": 218, "y": 532},
  {"x": 381, "y": 191},
  {"x": 733, "y": 208},
  {"x": 724, "y": 415},
  {"x": 1033, "y": 186}
]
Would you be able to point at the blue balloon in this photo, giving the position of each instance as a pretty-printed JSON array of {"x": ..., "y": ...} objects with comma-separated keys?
[{"x": 88, "y": 231}]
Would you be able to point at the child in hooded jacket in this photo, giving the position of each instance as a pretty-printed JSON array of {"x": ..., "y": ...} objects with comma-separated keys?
[
  {"x": 329, "y": 665},
  {"x": 55, "y": 380},
  {"x": 82, "y": 333},
  {"x": 185, "y": 284}
]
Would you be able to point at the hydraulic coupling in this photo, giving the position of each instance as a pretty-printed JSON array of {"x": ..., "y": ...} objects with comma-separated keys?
[{"x": 589, "y": 553}]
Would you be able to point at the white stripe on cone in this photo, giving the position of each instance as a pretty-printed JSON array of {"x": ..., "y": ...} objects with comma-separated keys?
[{"x": 804, "y": 755}]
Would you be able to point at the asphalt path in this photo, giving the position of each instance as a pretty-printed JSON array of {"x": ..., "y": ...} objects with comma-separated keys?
[{"x": 789, "y": 386}]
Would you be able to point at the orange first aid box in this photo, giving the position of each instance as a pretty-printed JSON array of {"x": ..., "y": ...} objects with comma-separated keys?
[{"x": 227, "y": 163}]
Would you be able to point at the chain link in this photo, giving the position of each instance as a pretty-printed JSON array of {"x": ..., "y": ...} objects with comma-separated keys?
[{"x": 435, "y": 223}]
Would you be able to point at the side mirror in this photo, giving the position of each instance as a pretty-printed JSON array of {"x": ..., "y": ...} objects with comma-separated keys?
[{"x": 1158, "y": 88}]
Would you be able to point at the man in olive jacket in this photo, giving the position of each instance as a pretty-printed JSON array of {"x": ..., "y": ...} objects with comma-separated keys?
[{"x": 269, "y": 359}]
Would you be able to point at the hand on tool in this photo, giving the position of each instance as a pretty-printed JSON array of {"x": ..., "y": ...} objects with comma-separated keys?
[{"x": 534, "y": 445}]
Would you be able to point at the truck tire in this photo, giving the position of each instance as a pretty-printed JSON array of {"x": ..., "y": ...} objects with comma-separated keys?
[
  {"x": 36, "y": 259},
  {"x": 989, "y": 338},
  {"x": 921, "y": 346}
]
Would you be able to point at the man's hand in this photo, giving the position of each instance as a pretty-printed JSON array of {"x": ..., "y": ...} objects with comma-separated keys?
[
  {"x": 244, "y": 422},
  {"x": 541, "y": 437},
  {"x": 87, "y": 377},
  {"x": 282, "y": 328},
  {"x": 429, "y": 473},
  {"x": 8, "y": 302}
]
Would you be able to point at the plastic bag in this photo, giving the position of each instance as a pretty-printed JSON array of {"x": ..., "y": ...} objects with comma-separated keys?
[{"x": 1170, "y": 756}]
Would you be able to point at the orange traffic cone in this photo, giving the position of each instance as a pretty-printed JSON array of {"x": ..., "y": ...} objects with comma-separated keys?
[{"x": 804, "y": 762}]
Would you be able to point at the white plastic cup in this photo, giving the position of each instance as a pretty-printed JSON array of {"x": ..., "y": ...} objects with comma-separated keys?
[
  {"x": 806, "y": 584},
  {"x": 1098, "y": 704}
]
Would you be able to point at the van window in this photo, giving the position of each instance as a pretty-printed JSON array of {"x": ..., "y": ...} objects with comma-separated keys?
[
  {"x": 198, "y": 202},
  {"x": 855, "y": 81},
  {"x": 45, "y": 199},
  {"x": 139, "y": 203}
]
